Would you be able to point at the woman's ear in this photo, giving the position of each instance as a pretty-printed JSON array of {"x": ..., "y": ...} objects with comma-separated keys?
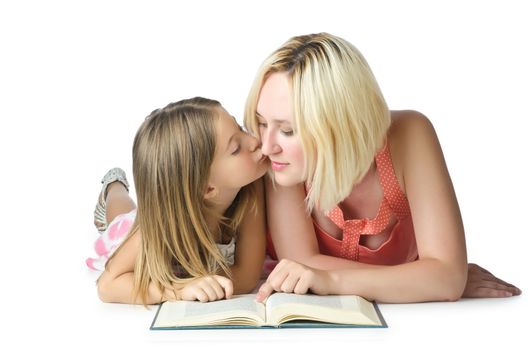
[{"x": 211, "y": 192}]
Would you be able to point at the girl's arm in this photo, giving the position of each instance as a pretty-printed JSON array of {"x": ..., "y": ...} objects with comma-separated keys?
[
  {"x": 117, "y": 280},
  {"x": 441, "y": 272},
  {"x": 250, "y": 246}
]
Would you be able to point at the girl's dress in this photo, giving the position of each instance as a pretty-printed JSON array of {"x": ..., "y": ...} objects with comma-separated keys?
[{"x": 116, "y": 233}]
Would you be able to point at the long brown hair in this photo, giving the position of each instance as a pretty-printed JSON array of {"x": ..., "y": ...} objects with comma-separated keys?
[{"x": 172, "y": 156}]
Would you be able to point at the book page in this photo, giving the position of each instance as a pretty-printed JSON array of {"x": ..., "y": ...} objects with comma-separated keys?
[
  {"x": 341, "y": 309},
  {"x": 276, "y": 299},
  {"x": 239, "y": 310}
]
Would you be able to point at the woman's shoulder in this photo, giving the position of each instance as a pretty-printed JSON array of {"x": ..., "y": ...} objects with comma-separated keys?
[
  {"x": 410, "y": 133},
  {"x": 409, "y": 127},
  {"x": 404, "y": 119}
]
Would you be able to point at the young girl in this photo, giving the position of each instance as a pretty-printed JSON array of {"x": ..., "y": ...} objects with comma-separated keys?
[
  {"x": 362, "y": 202},
  {"x": 198, "y": 231}
]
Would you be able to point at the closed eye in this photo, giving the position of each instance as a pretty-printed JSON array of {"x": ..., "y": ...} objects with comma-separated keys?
[{"x": 235, "y": 152}]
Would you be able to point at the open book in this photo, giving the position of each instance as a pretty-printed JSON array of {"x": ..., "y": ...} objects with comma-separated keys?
[{"x": 281, "y": 310}]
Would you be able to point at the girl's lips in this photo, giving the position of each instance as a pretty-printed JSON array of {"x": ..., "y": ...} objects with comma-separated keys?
[{"x": 276, "y": 166}]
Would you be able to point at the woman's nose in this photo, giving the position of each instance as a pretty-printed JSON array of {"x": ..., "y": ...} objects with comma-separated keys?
[{"x": 269, "y": 146}]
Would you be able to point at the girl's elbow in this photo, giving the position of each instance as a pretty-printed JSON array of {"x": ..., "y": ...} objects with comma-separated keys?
[
  {"x": 245, "y": 290},
  {"x": 249, "y": 286},
  {"x": 246, "y": 283},
  {"x": 103, "y": 292},
  {"x": 104, "y": 289}
]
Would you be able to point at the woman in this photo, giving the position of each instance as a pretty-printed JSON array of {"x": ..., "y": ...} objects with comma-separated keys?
[{"x": 362, "y": 202}]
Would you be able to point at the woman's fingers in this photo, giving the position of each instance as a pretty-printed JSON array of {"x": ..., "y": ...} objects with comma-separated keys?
[
  {"x": 483, "y": 284},
  {"x": 287, "y": 277},
  {"x": 264, "y": 291}
]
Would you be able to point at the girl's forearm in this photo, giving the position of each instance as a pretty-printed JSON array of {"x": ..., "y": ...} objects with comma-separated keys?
[
  {"x": 418, "y": 281},
  {"x": 120, "y": 290},
  {"x": 243, "y": 282}
]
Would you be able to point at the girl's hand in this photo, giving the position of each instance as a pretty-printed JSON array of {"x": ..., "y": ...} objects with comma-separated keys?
[
  {"x": 482, "y": 284},
  {"x": 208, "y": 288},
  {"x": 292, "y": 277}
]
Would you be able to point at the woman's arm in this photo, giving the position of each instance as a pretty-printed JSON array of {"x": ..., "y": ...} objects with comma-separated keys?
[
  {"x": 441, "y": 271},
  {"x": 250, "y": 246},
  {"x": 440, "y": 274}
]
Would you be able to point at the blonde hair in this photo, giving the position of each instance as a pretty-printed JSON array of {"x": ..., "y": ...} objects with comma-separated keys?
[
  {"x": 172, "y": 155},
  {"x": 340, "y": 114}
]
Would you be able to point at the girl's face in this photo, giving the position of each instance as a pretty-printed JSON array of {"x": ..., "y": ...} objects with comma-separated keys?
[
  {"x": 276, "y": 125},
  {"x": 238, "y": 158}
]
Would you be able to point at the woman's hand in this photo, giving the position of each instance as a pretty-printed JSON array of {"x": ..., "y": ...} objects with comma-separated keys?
[
  {"x": 482, "y": 284},
  {"x": 208, "y": 288},
  {"x": 292, "y": 277}
]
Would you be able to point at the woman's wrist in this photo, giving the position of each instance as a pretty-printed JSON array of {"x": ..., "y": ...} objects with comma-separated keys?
[{"x": 333, "y": 282}]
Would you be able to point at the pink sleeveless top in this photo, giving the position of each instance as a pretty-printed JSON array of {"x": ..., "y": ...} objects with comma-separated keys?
[{"x": 399, "y": 248}]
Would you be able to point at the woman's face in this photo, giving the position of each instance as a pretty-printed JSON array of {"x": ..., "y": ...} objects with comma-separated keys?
[{"x": 280, "y": 141}]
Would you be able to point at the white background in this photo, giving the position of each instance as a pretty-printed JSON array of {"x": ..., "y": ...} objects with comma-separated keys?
[{"x": 77, "y": 79}]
